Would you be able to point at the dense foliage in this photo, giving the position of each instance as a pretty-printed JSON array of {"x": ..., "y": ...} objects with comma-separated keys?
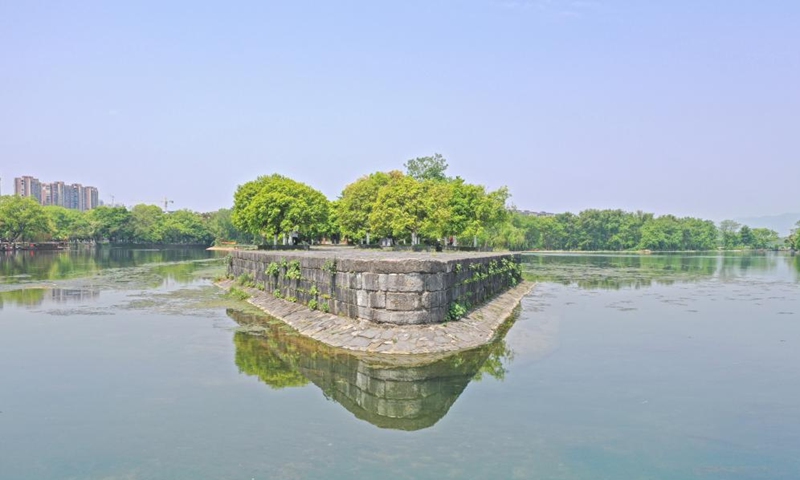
[
  {"x": 616, "y": 230},
  {"x": 273, "y": 205},
  {"x": 422, "y": 205},
  {"x": 23, "y": 219}
]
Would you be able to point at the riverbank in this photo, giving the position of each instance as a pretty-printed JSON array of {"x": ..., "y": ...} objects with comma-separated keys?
[{"x": 479, "y": 327}]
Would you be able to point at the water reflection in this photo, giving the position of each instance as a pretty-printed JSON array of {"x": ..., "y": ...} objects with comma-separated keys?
[
  {"x": 611, "y": 272},
  {"x": 32, "y": 297},
  {"x": 398, "y": 393},
  {"x": 18, "y": 267}
]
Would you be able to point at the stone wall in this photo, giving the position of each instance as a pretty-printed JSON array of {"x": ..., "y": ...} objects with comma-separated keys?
[{"x": 381, "y": 287}]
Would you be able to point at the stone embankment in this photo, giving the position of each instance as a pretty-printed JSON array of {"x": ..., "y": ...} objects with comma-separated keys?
[
  {"x": 382, "y": 287},
  {"x": 477, "y": 328},
  {"x": 384, "y": 302}
]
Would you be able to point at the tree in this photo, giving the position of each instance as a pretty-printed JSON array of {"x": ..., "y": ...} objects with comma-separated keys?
[
  {"x": 662, "y": 233},
  {"x": 729, "y": 232},
  {"x": 68, "y": 224},
  {"x": 356, "y": 202},
  {"x": 110, "y": 223},
  {"x": 400, "y": 209},
  {"x": 23, "y": 219},
  {"x": 185, "y": 226},
  {"x": 793, "y": 241},
  {"x": 764, "y": 238},
  {"x": 221, "y": 226},
  {"x": 427, "y": 168},
  {"x": 146, "y": 224},
  {"x": 272, "y": 205},
  {"x": 746, "y": 237}
]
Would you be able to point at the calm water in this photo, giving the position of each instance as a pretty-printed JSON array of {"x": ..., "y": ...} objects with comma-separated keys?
[{"x": 127, "y": 364}]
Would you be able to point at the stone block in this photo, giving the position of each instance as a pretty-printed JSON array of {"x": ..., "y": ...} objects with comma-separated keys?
[
  {"x": 371, "y": 281},
  {"x": 411, "y": 282},
  {"x": 401, "y": 318},
  {"x": 434, "y": 282},
  {"x": 365, "y": 313},
  {"x": 403, "y": 301},
  {"x": 434, "y": 299},
  {"x": 377, "y": 299},
  {"x": 362, "y": 298}
]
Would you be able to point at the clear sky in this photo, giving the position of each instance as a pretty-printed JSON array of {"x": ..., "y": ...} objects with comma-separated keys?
[{"x": 686, "y": 107}]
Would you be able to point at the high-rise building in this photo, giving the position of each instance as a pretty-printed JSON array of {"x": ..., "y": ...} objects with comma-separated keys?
[
  {"x": 91, "y": 198},
  {"x": 74, "y": 196},
  {"x": 28, "y": 187},
  {"x": 47, "y": 199}
]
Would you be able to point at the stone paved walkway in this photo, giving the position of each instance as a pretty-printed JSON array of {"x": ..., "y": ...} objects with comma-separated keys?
[{"x": 476, "y": 329}]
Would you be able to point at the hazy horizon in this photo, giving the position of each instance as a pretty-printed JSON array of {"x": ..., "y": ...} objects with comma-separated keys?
[{"x": 674, "y": 107}]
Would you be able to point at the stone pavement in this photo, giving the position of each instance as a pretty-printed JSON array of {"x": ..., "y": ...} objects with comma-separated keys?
[{"x": 478, "y": 328}]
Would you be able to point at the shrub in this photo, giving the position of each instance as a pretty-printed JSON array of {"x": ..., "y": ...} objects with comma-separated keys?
[
  {"x": 293, "y": 270},
  {"x": 273, "y": 269},
  {"x": 456, "y": 311},
  {"x": 238, "y": 294},
  {"x": 312, "y": 304}
]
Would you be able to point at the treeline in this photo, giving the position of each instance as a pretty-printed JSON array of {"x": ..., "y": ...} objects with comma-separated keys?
[
  {"x": 422, "y": 205},
  {"x": 617, "y": 230},
  {"x": 23, "y": 219}
]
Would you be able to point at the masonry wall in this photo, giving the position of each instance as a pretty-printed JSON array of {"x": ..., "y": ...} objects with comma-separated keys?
[{"x": 380, "y": 289}]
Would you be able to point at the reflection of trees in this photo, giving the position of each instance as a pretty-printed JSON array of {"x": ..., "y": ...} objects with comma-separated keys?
[
  {"x": 408, "y": 393},
  {"x": 82, "y": 261},
  {"x": 24, "y": 297},
  {"x": 35, "y": 296},
  {"x": 620, "y": 271}
]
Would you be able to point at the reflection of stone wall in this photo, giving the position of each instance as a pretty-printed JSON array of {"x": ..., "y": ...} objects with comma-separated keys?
[
  {"x": 381, "y": 287},
  {"x": 405, "y": 397}
]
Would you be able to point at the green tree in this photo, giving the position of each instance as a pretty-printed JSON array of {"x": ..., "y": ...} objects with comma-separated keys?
[
  {"x": 401, "y": 209},
  {"x": 146, "y": 224},
  {"x": 729, "y": 233},
  {"x": 354, "y": 207},
  {"x": 746, "y": 237},
  {"x": 68, "y": 225},
  {"x": 110, "y": 223},
  {"x": 427, "y": 168},
  {"x": 274, "y": 205},
  {"x": 185, "y": 227},
  {"x": 23, "y": 219},
  {"x": 221, "y": 226},
  {"x": 764, "y": 238},
  {"x": 662, "y": 233}
]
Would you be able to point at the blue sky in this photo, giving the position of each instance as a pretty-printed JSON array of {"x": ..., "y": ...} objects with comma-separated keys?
[{"x": 686, "y": 107}]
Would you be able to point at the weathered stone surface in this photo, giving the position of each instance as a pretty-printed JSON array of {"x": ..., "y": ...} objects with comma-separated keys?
[
  {"x": 403, "y": 301},
  {"x": 477, "y": 328},
  {"x": 410, "y": 282},
  {"x": 434, "y": 282},
  {"x": 350, "y": 281}
]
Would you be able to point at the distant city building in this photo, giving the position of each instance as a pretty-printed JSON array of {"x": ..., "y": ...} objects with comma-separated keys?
[
  {"x": 28, "y": 187},
  {"x": 91, "y": 198},
  {"x": 74, "y": 196}
]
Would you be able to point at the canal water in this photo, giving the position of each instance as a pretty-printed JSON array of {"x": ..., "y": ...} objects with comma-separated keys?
[{"x": 129, "y": 364}]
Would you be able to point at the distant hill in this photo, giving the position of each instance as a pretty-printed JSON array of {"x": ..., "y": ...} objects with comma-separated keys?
[{"x": 783, "y": 224}]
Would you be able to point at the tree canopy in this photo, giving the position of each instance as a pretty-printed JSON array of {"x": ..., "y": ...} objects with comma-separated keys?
[
  {"x": 427, "y": 168},
  {"x": 274, "y": 205},
  {"x": 23, "y": 219}
]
